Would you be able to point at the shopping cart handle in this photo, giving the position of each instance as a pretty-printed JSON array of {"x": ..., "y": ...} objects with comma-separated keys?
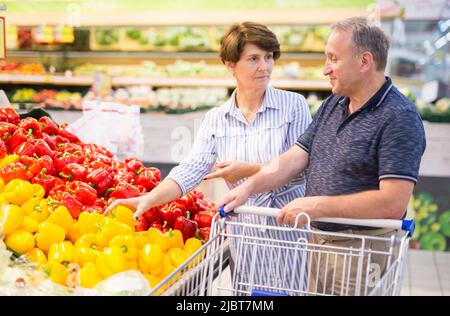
[
  {"x": 267, "y": 293},
  {"x": 406, "y": 225}
]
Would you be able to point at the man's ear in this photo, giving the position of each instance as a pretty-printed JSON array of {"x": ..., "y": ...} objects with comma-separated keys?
[{"x": 367, "y": 61}]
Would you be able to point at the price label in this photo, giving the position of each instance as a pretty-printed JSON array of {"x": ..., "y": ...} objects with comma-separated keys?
[{"x": 2, "y": 38}]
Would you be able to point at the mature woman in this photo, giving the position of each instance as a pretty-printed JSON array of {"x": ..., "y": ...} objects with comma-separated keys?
[{"x": 254, "y": 126}]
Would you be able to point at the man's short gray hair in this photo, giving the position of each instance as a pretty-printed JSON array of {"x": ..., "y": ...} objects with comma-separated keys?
[{"x": 366, "y": 37}]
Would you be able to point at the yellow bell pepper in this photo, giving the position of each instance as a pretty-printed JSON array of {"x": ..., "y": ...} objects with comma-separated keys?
[
  {"x": 29, "y": 224},
  {"x": 150, "y": 259},
  {"x": 74, "y": 232},
  {"x": 8, "y": 159},
  {"x": 20, "y": 241},
  {"x": 36, "y": 255},
  {"x": 58, "y": 272},
  {"x": 157, "y": 237},
  {"x": 111, "y": 261},
  {"x": 111, "y": 228},
  {"x": 38, "y": 190},
  {"x": 153, "y": 281},
  {"x": 167, "y": 267},
  {"x": 17, "y": 191},
  {"x": 61, "y": 217},
  {"x": 126, "y": 243},
  {"x": 175, "y": 238},
  {"x": 86, "y": 255},
  {"x": 192, "y": 245},
  {"x": 89, "y": 276},
  {"x": 2, "y": 198},
  {"x": 2, "y": 185},
  {"x": 177, "y": 256},
  {"x": 141, "y": 239},
  {"x": 63, "y": 252},
  {"x": 48, "y": 233},
  {"x": 132, "y": 264},
  {"x": 11, "y": 218},
  {"x": 89, "y": 241},
  {"x": 36, "y": 208},
  {"x": 90, "y": 222},
  {"x": 124, "y": 215}
]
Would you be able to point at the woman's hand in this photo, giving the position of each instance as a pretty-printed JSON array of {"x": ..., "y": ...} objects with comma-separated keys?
[
  {"x": 140, "y": 204},
  {"x": 233, "y": 171}
]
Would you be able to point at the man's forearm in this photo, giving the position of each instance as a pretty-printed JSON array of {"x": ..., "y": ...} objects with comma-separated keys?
[
  {"x": 279, "y": 172},
  {"x": 367, "y": 204}
]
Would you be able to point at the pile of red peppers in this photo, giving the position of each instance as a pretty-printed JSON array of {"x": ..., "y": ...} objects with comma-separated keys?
[{"x": 86, "y": 177}]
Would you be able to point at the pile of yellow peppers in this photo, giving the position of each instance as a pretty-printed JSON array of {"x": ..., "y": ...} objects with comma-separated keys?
[{"x": 89, "y": 250}]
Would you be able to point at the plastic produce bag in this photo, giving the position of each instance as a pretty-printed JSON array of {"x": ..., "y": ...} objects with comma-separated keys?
[{"x": 114, "y": 126}]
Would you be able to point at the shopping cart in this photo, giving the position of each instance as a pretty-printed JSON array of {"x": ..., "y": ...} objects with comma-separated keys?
[{"x": 316, "y": 263}]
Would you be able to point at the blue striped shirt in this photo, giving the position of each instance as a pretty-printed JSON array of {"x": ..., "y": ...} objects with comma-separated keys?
[{"x": 225, "y": 135}]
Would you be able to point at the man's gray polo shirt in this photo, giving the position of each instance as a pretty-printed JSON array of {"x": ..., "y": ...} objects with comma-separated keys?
[{"x": 347, "y": 154}]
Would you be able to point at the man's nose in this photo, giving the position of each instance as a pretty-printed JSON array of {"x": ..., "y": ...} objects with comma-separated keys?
[{"x": 326, "y": 70}]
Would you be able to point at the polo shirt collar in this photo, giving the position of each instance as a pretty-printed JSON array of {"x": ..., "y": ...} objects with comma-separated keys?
[{"x": 375, "y": 101}]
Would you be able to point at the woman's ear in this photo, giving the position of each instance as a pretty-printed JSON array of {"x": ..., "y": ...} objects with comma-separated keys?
[{"x": 230, "y": 65}]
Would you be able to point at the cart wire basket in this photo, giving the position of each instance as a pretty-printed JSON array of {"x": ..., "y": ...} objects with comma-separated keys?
[{"x": 244, "y": 258}]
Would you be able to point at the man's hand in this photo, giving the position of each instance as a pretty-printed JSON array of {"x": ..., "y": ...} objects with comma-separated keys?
[
  {"x": 233, "y": 171},
  {"x": 141, "y": 204},
  {"x": 307, "y": 205}
]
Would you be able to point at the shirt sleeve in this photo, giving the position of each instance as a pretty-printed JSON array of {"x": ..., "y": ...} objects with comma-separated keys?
[
  {"x": 306, "y": 139},
  {"x": 191, "y": 170},
  {"x": 401, "y": 147},
  {"x": 300, "y": 121}
]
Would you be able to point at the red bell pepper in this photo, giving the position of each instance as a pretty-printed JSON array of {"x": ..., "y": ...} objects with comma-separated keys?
[
  {"x": 73, "y": 172},
  {"x": 42, "y": 148},
  {"x": 152, "y": 215},
  {"x": 57, "y": 191},
  {"x": 8, "y": 114},
  {"x": 67, "y": 158},
  {"x": 125, "y": 190},
  {"x": 204, "y": 219},
  {"x": 6, "y": 130},
  {"x": 203, "y": 234},
  {"x": 187, "y": 227},
  {"x": 142, "y": 224},
  {"x": 148, "y": 178},
  {"x": 100, "y": 180},
  {"x": 13, "y": 170},
  {"x": 59, "y": 141},
  {"x": 72, "y": 204},
  {"x": 18, "y": 138},
  {"x": 48, "y": 126},
  {"x": 99, "y": 165},
  {"x": 3, "y": 149},
  {"x": 134, "y": 164},
  {"x": 30, "y": 124},
  {"x": 203, "y": 205},
  {"x": 48, "y": 182},
  {"x": 189, "y": 201},
  {"x": 163, "y": 228},
  {"x": 64, "y": 133},
  {"x": 169, "y": 213},
  {"x": 102, "y": 158},
  {"x": 25, "y": 149},
  {"x": 32, "y": 164},
  {"x": 124, "y": 175},
  {"x": 47, "y": 163},
  {"x": 82, "y": 191}
]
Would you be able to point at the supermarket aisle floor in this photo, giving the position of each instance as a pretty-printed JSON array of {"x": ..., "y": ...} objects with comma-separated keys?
[{"x": 427, "y": 274}]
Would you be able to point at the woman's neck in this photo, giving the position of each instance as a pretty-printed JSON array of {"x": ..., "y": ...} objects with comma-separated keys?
[{"x": 249, "y": 100}]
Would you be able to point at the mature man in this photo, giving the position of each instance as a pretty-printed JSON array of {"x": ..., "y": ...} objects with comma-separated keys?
[{"x": 362, "y": 151}]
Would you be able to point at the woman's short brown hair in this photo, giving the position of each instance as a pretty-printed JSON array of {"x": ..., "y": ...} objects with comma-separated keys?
[{"x": 238, "y": 35}]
